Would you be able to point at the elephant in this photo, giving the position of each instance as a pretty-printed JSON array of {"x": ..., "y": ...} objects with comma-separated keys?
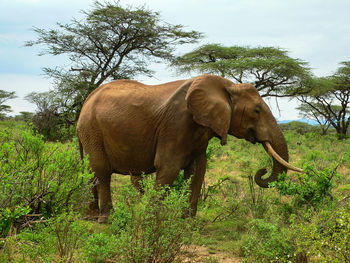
[{"x": 130, "y": 128}]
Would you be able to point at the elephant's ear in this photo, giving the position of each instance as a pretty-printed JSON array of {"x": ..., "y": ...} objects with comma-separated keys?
[{"x": 208, "y": 101}]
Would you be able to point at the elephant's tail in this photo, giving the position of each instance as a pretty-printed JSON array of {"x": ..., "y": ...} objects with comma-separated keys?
[{"x": 81, "y": 149}]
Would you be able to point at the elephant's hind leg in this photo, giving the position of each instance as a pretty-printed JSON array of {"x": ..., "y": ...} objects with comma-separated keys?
[
  {"x": 104, "y": 196},
  {"x": 93, "y": 212},
  {"x": 102, "y": 189}
]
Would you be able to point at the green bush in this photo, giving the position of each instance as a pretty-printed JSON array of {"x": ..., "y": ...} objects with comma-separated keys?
[
  {"x": 9, "y": 216},
  {"x": 267, "y": 242},
  {"x": 327, "y": 237},
  {"x": 311, "y": 189},
  {"x": 151, "y": 227},
  {"x": 99, "y": 247},
  {"x": 58, "y": 239},
  {"x": 271, "y": 239},
  {"x": 39, "y": 178},
  {"x": 52, "y": 126},
  {"x": 69, "y": 232}
]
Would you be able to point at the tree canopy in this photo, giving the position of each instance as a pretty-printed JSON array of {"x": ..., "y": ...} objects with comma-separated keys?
[
  {"x": 269, "y": 69},
  {"x": 5, "y": 96},
  {"x": 330, "y": 97},
  {"x": 110, "y": 42}
]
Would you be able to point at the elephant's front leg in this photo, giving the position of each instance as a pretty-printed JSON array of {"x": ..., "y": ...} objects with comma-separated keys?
[
  {"x": 197, "y": 169},
  {"x": 168, "y": 165}
]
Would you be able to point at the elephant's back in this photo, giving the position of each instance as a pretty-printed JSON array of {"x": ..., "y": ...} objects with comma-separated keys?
[{"x": 129, "y": 92}]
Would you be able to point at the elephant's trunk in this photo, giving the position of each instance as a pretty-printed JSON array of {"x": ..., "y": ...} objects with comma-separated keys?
[{"x": 279, "y": 146}]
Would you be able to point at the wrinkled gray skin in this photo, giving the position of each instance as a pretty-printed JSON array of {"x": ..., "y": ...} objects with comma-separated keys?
[{"x": 130, "y": 128}]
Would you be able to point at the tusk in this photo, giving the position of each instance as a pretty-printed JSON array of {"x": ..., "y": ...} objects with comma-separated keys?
[{"x": 278, "y": 158}]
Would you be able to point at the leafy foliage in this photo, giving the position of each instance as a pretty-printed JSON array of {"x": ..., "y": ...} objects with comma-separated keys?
[
  {"x": 327, "y": 236},
  {"x": 151, "y": 227},
  {"x": 270, "y": 69},
  {"x": 57, "y": 240},
  {"x": 38, "y": 178},
  {"x": 99, "y": 247},
  {"x": 311, "y": 188},
  {"x": 268, "y": 242}
]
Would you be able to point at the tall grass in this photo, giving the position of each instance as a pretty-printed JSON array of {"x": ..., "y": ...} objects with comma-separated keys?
[{"x": 301, "y": 217}]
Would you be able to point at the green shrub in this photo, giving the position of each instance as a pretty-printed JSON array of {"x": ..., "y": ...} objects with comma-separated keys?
[
  {"x": 35, "y": 245},
  {"x": 52, "y": 126},
  {"x": 99, "y": 247},
  {"x": 311, "y": 189},
  {"x": 327, "y": 237},
  {"x": 151, "y": 227},
  {"x": 56, "y": 240},
  {"x": 267, "y": 242},
  {"x": 9, "y": 216},
  {"x": 69, "y": 233},
  {"x": 39, "y": 178}
]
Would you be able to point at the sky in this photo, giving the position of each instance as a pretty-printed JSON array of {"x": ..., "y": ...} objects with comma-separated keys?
[{"x": 315, "y": 31}]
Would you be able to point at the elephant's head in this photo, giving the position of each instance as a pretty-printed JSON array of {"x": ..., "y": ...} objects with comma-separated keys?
[{"x": 239, "y": 110}]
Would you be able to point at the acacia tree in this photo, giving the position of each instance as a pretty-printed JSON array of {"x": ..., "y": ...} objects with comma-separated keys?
[
  {"x": 309, "y": 112},
  {"x": 46, "y": 120},
  {"x": 5, "y": 96},
  {"x": 330, "y": 98},
  {"x": 110, "y": 42},
  {"x": 269, "y": 69}
]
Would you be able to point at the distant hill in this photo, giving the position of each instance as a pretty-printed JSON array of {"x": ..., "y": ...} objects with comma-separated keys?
[{"x": 311, "y": 122}]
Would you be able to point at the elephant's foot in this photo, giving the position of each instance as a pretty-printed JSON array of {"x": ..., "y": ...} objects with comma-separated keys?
[
  {"x": 104, "y": 215},
  {"x": 92, "y": 214},
  {"x": 102, "y": 219},
  {"x": 188, "y": 212}
]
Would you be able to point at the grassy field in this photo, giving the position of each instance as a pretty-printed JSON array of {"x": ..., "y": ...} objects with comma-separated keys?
[{"x": 302, "y": 218}]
